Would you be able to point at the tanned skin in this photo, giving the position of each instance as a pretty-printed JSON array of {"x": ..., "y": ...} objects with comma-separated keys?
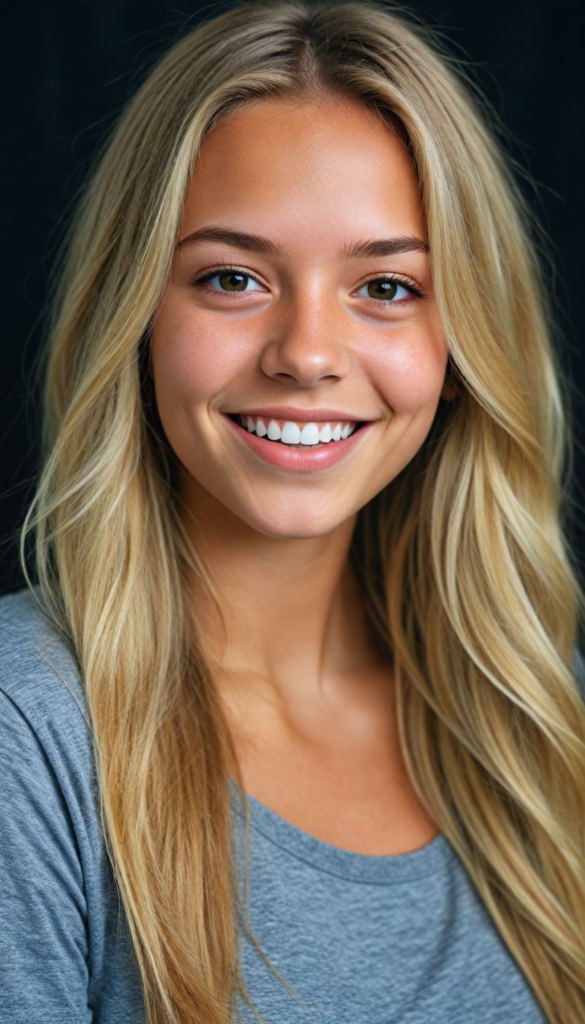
[{"x": 288, "y": 194}]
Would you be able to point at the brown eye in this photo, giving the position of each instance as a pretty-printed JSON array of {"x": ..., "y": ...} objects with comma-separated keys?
[
  {"x": 232, "y": 281},
  {"x": 381, "y": 288}
]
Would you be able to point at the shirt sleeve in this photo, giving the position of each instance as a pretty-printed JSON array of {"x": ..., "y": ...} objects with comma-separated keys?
[{"x": 44, "y": 973}]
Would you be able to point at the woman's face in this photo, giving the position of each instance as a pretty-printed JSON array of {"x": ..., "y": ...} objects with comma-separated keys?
[{"x": 297, "y": 355}]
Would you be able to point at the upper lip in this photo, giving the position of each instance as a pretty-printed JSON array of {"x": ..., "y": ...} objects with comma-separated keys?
[{"x": 287, "y": 412}]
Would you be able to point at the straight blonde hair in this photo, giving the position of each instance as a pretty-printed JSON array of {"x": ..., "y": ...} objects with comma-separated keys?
[{"x": 462, "y": 557}]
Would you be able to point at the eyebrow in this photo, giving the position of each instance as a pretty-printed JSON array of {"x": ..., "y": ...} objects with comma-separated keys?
[
  {"x": 256, "y": 243},
  {"x": 239, "y": 239},
  {"x": 386, "y": 247}
]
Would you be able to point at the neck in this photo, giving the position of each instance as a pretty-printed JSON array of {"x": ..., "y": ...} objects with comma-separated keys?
[{"x": 290, "y": 613}]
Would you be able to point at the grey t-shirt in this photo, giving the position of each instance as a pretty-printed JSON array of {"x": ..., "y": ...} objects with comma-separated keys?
[{"x": 360, "y": 940}]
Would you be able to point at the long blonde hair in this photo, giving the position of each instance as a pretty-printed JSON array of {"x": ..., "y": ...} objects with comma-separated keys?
[{"x": 462, "y": 557}]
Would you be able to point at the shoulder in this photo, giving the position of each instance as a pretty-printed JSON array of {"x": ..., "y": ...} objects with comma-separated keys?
[
  {"x": 38, "y": 672},
  {"x": 66, "y": 947},
  {"x": 46, "y": 754},
  {"x": 46, "y": 737}
]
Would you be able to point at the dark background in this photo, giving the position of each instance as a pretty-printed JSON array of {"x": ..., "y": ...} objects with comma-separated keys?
[{"x": 68, "y": 66}]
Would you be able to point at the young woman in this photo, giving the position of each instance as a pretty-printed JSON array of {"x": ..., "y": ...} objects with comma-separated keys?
[{"x": 297, "y": 537}]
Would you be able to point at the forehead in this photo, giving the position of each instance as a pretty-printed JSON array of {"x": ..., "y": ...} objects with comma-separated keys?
[{"x": 329, "y": 167}]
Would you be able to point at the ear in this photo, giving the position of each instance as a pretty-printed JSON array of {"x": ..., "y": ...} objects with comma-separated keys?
[{"x": 448, "y": 389}]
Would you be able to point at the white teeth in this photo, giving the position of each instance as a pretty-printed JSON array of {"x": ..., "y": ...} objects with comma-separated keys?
[
  {"x": 294, "y": 434},
  {"x": 309, "y": 434},
  {"x": 291, "y": 433}
]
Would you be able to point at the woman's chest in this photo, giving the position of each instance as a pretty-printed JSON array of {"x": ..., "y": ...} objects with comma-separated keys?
[{"x": 362, "y": 940}]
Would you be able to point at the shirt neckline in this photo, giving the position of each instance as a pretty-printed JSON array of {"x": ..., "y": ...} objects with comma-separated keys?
[{"x": 357, "y": 867}]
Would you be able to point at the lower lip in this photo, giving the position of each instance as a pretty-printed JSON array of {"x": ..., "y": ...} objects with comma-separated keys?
[{"x": 303, "y": 461}]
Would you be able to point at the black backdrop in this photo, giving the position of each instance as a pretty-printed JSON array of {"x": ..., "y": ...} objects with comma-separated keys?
[{"x": 67, "y": 68}]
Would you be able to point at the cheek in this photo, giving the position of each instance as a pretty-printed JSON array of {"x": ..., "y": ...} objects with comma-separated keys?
[
  {"x": 194, "y": 360},
  {"x": 409, "y": 371}
]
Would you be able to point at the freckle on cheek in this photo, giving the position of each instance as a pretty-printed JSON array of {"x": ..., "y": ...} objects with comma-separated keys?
[
  {"x": 194, "y": 365},
  {"x": 409, "y": 392}
]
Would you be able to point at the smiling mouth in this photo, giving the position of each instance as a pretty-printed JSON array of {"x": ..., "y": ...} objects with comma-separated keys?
[{"x": 304, "y": 436}]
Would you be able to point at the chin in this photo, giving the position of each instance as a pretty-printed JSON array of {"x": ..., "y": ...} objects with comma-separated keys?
[{"x": 293, "y": 524}]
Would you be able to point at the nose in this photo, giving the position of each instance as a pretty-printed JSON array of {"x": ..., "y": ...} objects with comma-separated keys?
[{"x": 307, "y": 345}]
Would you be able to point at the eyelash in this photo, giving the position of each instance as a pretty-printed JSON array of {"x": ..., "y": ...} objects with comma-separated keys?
[
  {"x": 403, "y": 281},
  {"x": 209, "y": 274}
]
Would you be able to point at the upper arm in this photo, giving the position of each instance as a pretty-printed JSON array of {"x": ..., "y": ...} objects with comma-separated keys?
[{"x": 44, "y": 929}]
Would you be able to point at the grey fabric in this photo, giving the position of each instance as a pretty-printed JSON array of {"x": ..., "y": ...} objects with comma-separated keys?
[{"x": 359, "y": 940}]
